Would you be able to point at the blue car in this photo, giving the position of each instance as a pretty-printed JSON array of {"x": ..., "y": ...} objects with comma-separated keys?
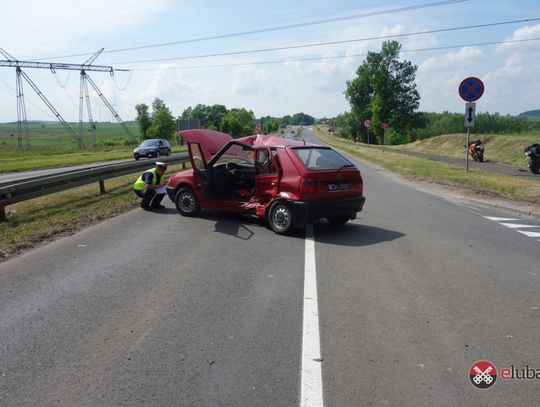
[{"x": 152, "y": 148}]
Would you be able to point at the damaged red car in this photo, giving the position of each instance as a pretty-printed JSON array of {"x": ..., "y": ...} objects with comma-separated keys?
[{"x": 284, "y": 181}]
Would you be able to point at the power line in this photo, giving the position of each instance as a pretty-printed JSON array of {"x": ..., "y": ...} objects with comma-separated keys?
[
  {"x": 278, "y": 28},
  {"x": 480, "y": 44},
  {"x": 328, "y": 43}
]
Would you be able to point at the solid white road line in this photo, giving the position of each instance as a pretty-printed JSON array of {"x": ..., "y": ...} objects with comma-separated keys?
[
  {"x": 311, "y": 392},
  {"x": 517, "y": 226}
]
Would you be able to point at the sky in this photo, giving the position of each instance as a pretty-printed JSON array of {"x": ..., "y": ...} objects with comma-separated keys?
[{"x": 179, "y": 39}]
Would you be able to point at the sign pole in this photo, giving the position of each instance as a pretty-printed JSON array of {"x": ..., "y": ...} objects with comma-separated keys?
[
  {"x": 467, "y": 149},
  {"x": 470, "y": 89},
  {"x": 383, "y": 138}
]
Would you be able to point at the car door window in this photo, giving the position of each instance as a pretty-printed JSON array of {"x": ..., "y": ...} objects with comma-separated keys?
[
  {"x": 196, "y": 155},
  {"x": 264, "y": 164}
]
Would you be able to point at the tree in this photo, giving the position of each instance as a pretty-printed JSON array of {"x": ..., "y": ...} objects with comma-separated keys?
[
  {"x": 186, "y": 114},
  {"x": 303, "y": 119},
  {"x": 384, "y": 91},
  {"x": 163, "y": 122},
  {"x": 270, "y": 125},
  {"x": 157, "y": 106},
  {"x": 237, "y": 123},
  {"x": 143, "y": 119},
  {"x": 215, "y": 115}
]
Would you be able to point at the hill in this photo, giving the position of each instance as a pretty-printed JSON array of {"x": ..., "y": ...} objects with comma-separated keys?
[
  {"x": 531, "y": 115},
  {"x": 503, "y": 149}
]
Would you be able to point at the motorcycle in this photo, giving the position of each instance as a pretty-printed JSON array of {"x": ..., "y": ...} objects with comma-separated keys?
[
  {"x": 533, "y": 157},
  {"x": 476, "y": 150}
]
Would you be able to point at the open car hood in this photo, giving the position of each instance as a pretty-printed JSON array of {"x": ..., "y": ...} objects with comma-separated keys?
[{"x": 211, "y": 141}]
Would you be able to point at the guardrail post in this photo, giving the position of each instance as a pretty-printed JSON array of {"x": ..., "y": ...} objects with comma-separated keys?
[
  {"x": 102, "y": 187},
  {"x": 183, "y": 166},
  {"x": 3, "y": 216}
]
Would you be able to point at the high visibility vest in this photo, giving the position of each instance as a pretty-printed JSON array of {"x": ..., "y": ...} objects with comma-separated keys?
[{"x": 139, "y": 185}]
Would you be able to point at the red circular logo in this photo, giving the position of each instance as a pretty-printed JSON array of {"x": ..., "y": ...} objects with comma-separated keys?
[{"x": 483, "y": 374}]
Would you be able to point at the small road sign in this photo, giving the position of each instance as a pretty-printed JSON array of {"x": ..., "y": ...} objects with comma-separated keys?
[
  {"x": 471, "y": 89},
  {"x": 384, "y": 125},
  {"x": 367, "y": 123},
  {"x": 258, "y": 127},
  {"x": 470, "y": 114}
]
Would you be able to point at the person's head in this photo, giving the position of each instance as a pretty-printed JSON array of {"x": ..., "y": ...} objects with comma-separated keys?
[{"x": 161, "y": 167}]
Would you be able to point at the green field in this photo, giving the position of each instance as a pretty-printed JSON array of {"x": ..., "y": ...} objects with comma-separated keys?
[
  {"x": 51, "y": 146},
  {"x": 54, "y": 135}
]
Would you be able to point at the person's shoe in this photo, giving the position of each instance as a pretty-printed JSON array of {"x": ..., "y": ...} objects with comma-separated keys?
[
  {"x": 157, "y": 206},
  {"x": 145, "y": 207}
]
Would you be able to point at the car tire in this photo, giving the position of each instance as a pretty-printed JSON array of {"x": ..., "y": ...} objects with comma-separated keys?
[
  {"x": 168, "y": 153},
  {"x": 137, "y": 158},
  {"x": 186, "y": 202},
  {"x": 280, "y": 218},
  {"x": 338, "y": 220}
]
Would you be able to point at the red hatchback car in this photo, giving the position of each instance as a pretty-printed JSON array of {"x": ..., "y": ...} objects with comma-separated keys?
[{"x": 285, "y": 181}]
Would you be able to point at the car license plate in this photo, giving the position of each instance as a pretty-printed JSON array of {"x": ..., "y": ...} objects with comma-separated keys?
[{"x": 339, "y": 187}]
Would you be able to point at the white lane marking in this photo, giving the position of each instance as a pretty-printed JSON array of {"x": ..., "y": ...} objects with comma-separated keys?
[
  {"x": 530, "y": 234},
  {"x": 311, "y": 394},
  {"x": 499, "y": 219},
  {"x": 517, "y": 226}
]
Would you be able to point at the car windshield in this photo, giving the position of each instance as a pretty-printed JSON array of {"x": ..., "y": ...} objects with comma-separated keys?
[
  {"x": 321, "y": 158},
  {"x": 237, "y": 154},
  {"x": 149, "y": 143}
]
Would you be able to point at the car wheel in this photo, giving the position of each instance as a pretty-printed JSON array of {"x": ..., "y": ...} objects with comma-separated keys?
[
  {"x": 168, "y": 153},
  {"x": 338, "y": 220},
  {"x": 186, "y": 202},
  {"x": 137, "y": 158},
  {"x": 281, "y": 218},
  {"x": 157, "y": 154}
]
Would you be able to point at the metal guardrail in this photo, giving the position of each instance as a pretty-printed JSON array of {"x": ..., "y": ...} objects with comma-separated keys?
[{"x": 33, "y": 187}]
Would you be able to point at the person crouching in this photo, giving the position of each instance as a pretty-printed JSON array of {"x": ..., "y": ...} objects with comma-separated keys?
[{"x": 150, "y": 188}]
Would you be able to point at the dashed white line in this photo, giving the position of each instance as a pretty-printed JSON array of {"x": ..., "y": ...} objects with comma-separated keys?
[
  {"x": 530, "y": 234},
  {"x": 311, "y": 392},
  {"x": 517, "y": 226},
  {"x": 499, "y": 219}
]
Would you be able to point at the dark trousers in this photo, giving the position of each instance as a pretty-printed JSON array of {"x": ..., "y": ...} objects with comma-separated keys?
[{"x": 149, "y": 198}]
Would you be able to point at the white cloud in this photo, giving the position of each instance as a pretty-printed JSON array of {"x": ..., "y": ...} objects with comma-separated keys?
[
  {"x": 38, "y": 28},
  {"x": 250, "y": 80}
]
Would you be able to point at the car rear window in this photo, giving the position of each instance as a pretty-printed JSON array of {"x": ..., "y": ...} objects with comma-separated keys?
[
  {"x": 320, "y": 158},
  {"x": 149, "y": 143}
]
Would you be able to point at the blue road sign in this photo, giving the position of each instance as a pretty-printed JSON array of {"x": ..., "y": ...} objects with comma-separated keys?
[{"x": 471, "y": 89}]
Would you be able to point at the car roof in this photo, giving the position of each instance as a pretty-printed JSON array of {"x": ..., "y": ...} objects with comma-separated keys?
[
  {"x": 212, "y": 141},
  {"x": 263, "y": 140}
]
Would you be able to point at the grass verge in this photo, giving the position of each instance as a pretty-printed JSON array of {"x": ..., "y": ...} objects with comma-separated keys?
[
  {"x": 503, "y": 149},
  {"x": 481, "y": 182},
  {"x": 33, "y": 222}
]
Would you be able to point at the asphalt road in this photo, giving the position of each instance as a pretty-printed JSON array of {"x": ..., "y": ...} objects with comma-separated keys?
[{"x": 152, "y": 309}]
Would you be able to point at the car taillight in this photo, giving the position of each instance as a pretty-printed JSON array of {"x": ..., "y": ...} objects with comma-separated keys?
[{"x": 309, "y": 185}]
